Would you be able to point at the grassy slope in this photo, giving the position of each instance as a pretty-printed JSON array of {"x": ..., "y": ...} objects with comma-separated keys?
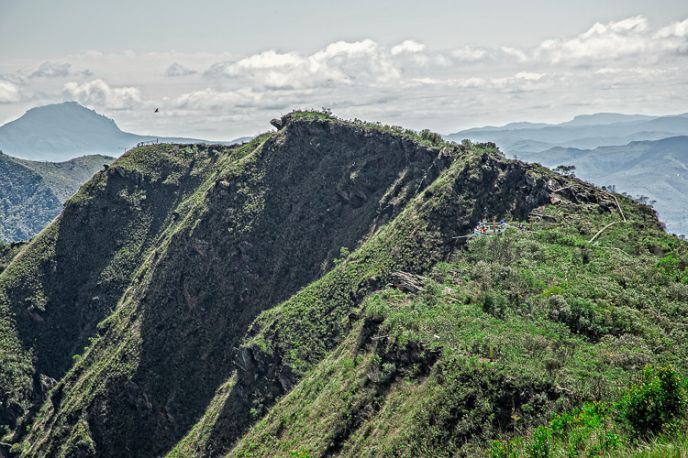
[
  {"x": 26, "y": 204},
  {"x": 503, "y": 334},
  {"x": 287, "y": 341},
  {"x": 254, "y": 232},
  {"x": 32, "y": 193},
  {"x": 7, "y": 252},
  {"x": 650, "y": 419}
]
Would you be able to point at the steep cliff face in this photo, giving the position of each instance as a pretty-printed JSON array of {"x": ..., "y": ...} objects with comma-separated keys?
[
  {"x": 53, "y": 294},
  {"x": 315, "y": 291},
  {"x": 286, "y": 342}
]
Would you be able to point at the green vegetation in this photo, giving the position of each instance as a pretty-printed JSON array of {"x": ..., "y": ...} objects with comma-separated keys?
[
  {"x": 252, "y": 229},
  {"x": 65, "y": 178},
  {"x": 424, "y": 137},
  {"x": 7, "y": 252},
  {"x": 314, "y": 293},
  {"x": 501, "y": 335},
  {"x": 69, "y": 277},
  {"x": 649, "y": 420},
  {"x": 32, "y": 193}
]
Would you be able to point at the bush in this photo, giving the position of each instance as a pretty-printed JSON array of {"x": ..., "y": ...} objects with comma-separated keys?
[
  {"x": 432, "y": 137},
  {"x": 579, "y": 315},
  {"x": 540, "y": 446},
  {"x": 674, "y": 268},
  {"x": 494, "y": 304},
  {"x": 656, "y": 402}
]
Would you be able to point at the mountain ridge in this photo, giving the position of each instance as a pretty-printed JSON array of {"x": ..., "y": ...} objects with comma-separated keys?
[
  {"x": 320, "y": 291},
  {"x": 585, "y": 131}
]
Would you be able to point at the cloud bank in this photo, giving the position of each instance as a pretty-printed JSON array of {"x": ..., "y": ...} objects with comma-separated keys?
[
  {"x": 623, "y": 65},
  {"x": 98, "y": 93}
]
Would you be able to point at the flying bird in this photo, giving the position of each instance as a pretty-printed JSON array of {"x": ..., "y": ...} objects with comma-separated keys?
[{"x": 157, "y": 110}]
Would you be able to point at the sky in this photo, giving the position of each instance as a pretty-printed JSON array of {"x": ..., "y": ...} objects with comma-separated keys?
[{"x": 222, "y": 69}]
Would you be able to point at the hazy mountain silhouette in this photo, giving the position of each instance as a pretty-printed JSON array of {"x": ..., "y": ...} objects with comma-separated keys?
[
  {"x": 586, "y": 131},
  {"x": 656, "y": 169},
  {"x": 66, "y": 130}
]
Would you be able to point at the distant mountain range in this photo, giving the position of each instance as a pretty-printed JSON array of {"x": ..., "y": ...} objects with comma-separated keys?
[
  {"x": 32, "y": 193},
  {"x": 656, "y": 169},
  {"x": 586, "y": 131},
  {"x": 66, "y": 130},
  {"x": 640, "y": 155}
]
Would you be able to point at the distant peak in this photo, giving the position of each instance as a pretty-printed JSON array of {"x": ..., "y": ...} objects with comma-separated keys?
[
  {"x": 68, "y": 112},
  {"x": 68, "y": 105}
]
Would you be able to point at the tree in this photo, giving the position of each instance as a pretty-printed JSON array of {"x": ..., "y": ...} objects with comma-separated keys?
[
  {"x": 568, "y": 170},
  {"x": 610, "y": 188},
  {"x": 432, "y": 137}
]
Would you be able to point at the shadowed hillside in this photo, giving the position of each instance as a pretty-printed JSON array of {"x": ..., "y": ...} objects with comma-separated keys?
[{"x": 32, "y": 193}]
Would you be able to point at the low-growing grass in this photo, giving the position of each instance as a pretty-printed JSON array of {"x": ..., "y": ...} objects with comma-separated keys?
[{"x": 529, "y": 326}]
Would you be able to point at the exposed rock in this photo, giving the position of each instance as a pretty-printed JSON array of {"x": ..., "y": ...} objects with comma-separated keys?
[{"x": 407, "y": 282}]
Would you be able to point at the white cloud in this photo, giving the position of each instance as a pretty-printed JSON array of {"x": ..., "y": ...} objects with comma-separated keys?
[
  {"x": 627, "y": 38},
  {"x": 211, "y": 99},
  {"x": 469, "y": 54},
  {"x": 529, "y": 76},
  {"x": 407, "y": 46},
  {"x": 98, "y": 93},
  {"x": 51, "y": 70},
  {"x": 675, "y": 30},
  {"x": 340, "y": 63},
  {"x": 674, "y": 37},
  {"x": 177, "y": 69},
  {"x": 57, "y": 70},
  {"x": 9, "y": 92},
  {"x": 602, "y": 41},
  {"x": 628, "y": 63},
  {"x": 515, "y": 53}
]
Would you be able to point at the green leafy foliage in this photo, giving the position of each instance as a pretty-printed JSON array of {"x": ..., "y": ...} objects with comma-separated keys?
[
  {"x": 656, "y": 402},
  {"x": 674, "y": 268},
  {"x": 646, "y": 421},
  {"x": 502, "y": 335}
]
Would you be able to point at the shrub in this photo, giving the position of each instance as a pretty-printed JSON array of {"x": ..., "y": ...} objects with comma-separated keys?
[
  {"x": 540, "y": 446},
  {"x": 494, "y": 304},
  {"x": 578, "y": 315},
  {"x": 432, "y": 137},
  {"x": 674, "y": 268},
  {"x": 657, "y": 401}
]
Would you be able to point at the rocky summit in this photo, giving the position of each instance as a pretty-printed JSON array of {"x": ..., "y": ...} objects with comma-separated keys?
[{"x": 323, "y": 291}]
